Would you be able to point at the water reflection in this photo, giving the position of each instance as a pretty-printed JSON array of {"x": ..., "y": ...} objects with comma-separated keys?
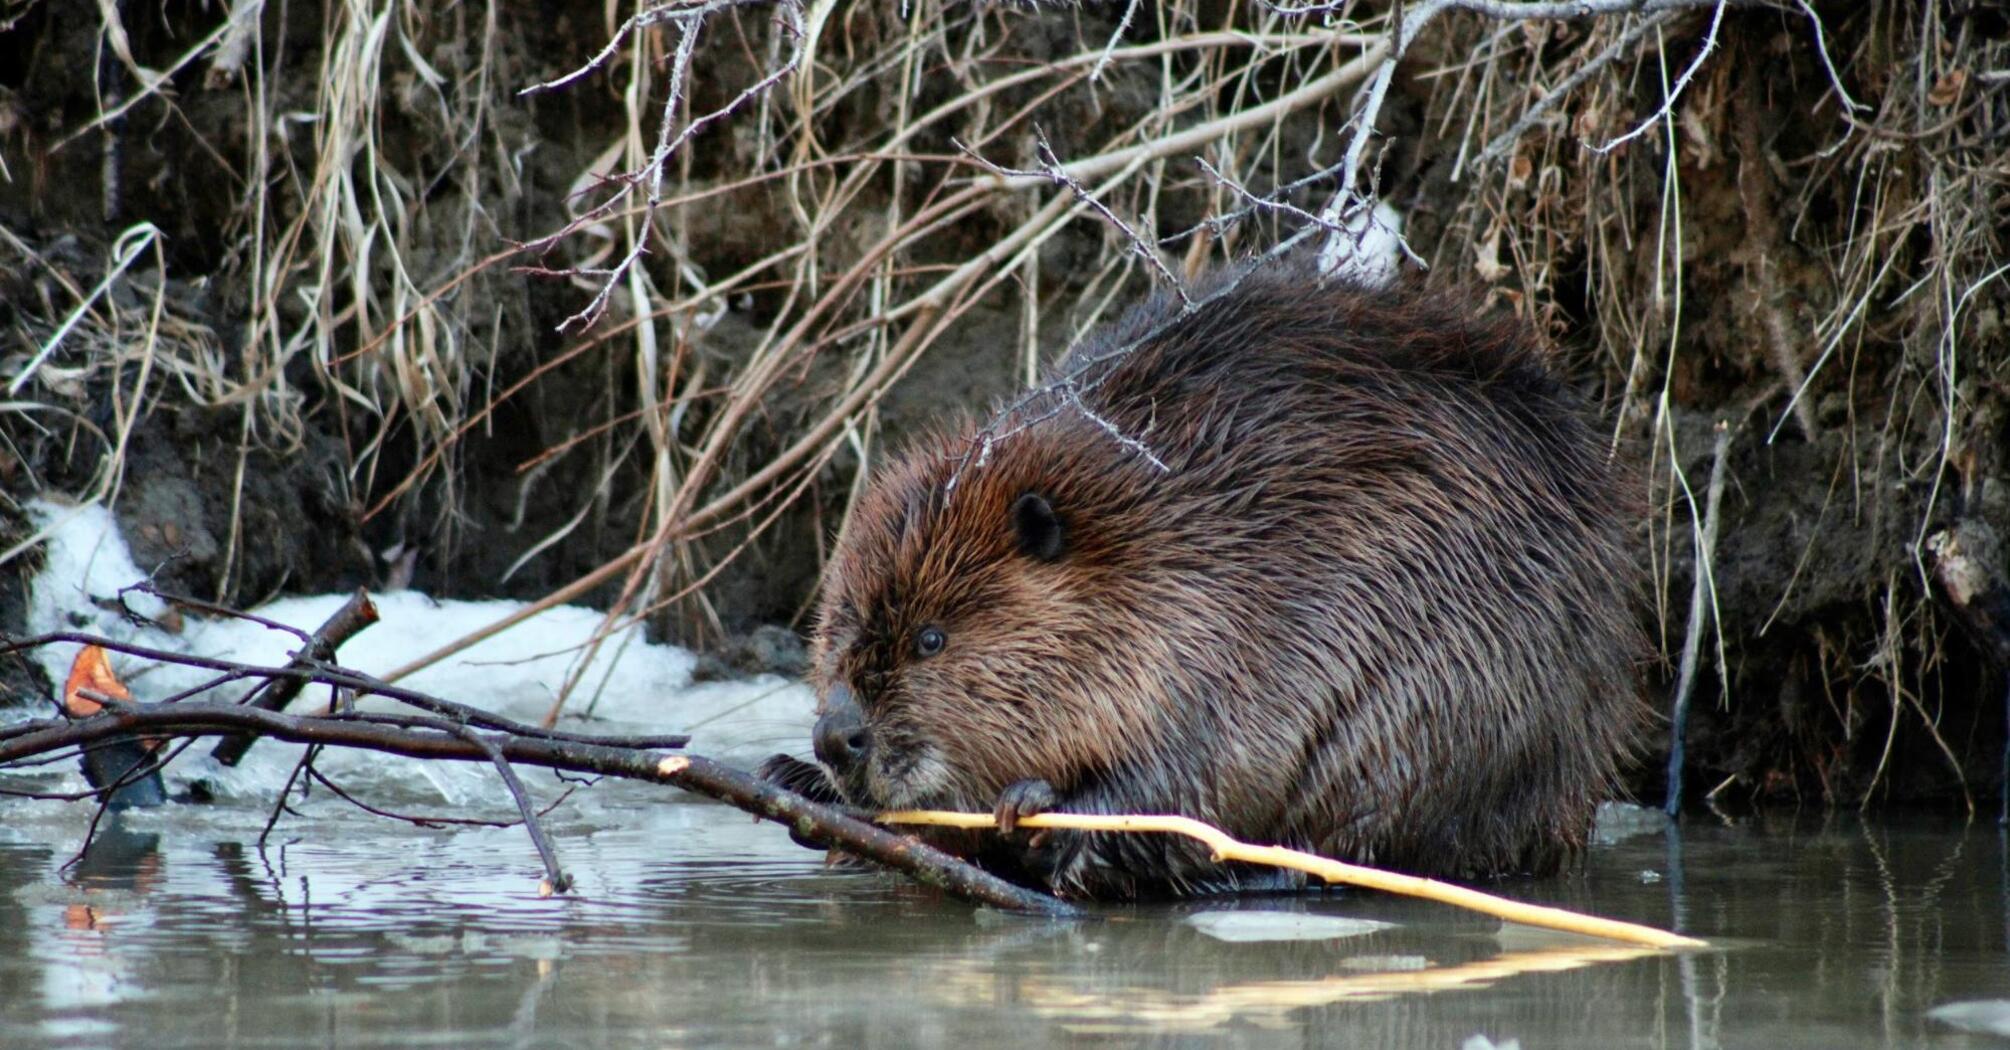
[
  {"x": 1139, "y": 1005},
  {"x": 695, "y": 927}
]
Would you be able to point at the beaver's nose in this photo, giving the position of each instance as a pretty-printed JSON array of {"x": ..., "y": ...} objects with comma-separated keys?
[{"x": 841, "y": 736}]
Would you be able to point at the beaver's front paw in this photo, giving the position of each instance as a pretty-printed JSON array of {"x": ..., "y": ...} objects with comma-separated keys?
[
  {"x": 810, "y": 781},
  {"x": 1027, "y": 798},
  {"x": 807, "y": 779}
]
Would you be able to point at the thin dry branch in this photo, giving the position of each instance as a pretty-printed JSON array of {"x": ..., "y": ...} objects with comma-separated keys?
[
  {"x": 436, "y": 738},
  {"x": 1190, "y": 140},
  {"x": 1701, "y": 609},
  {"x": 555, "y": 878},
  {"x": 1621, "y": 45},
  {"x": 689, "y": 19},
  {"x": 1674, "y": 91},
  {"x": 340, "y": 677},
  {"x": 1050, "y": 166},
  {"x": 1088, "y": 373},
  {"x": 1417, "y": 18}
]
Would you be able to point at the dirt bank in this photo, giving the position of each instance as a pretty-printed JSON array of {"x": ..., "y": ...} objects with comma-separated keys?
[{"x": 316, "y": 360}]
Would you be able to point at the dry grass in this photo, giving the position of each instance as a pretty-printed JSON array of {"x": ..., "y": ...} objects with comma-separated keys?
[{"x": 838, "y": 185}]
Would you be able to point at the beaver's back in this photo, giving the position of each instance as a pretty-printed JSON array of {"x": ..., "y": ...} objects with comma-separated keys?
[{"x": 1408, "y": 534}]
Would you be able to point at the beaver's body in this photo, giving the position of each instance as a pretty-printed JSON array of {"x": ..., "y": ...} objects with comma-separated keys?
[{"x": 1375, "y": 605}]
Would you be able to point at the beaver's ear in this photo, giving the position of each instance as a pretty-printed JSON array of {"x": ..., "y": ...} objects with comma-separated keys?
[{"x": 1040, "y": 531}]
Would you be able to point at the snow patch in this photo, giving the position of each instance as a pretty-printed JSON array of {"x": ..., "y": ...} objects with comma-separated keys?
[
  {"x": 630, "y": 686},
  {"x": 1368, "y": 248}
]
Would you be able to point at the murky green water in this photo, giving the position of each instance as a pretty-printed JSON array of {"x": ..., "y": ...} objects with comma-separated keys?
[{"x": 693, "y": 926}]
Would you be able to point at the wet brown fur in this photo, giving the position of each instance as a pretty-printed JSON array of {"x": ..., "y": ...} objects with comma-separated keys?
[{"x": 1377, "y": 606}]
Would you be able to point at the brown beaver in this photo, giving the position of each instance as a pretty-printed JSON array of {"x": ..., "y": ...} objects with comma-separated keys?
[{"x": 1329, "y": 567}]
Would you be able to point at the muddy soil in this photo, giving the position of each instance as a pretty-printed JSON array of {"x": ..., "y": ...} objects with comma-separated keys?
[{"x": 1841, "y": 677}]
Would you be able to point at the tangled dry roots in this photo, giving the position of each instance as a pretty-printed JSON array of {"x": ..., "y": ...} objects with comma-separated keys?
[{"x": 763, "y": 237}]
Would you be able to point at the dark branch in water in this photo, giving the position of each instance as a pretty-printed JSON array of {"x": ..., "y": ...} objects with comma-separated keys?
[
  {"x": 109, "y": 795},
  {"x": 318, "y": 650},
  {"x": 555, "y": 878},
  {"x": 435, "y": 821},
  {"x": 304, "y": 766},
  {"x": 455, "y": 732}
]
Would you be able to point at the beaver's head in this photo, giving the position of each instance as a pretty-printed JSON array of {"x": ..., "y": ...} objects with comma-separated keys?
[{"x": 976, "y": 635}]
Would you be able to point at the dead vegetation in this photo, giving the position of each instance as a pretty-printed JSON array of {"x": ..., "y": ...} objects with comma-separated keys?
[{"x": 612, "y": 305}]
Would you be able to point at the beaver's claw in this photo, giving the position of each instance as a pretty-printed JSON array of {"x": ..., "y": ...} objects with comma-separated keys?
[
  {"x": 1026, "y": 798},
  {"x": 806, "y": 779}
]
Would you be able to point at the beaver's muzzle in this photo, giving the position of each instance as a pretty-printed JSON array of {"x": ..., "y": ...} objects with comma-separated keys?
[{"x": 841, "y": 736}]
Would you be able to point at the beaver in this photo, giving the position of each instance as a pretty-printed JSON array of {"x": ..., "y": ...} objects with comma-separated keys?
[{"x": 1330, "y": 567}]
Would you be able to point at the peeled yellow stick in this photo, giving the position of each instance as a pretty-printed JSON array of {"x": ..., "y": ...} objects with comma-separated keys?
[{"x": 1227, "y": 849}]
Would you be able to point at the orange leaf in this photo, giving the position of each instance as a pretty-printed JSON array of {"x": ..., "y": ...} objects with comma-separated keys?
[
  {"x": 1946, "y": 91},
  {"x": 91, "y": 671}
]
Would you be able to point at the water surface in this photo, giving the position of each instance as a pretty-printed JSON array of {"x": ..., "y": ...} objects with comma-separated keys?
[{"x": 694, "y": 926}]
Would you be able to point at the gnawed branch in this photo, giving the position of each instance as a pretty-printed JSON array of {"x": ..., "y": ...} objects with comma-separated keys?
[
  {"x": 1227, "y": 849},
  {"x": 319, "y": 650}
]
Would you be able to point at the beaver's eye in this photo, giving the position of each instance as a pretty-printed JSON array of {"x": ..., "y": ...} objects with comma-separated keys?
[{"x": 929, "y": 641}]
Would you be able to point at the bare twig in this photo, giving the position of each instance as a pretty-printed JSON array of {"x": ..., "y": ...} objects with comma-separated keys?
[
  {"x": 1050, "y": 166},
  {"x": 1189, "y": 140},
  {"x": 435, "y": 820},
  {"x": 1087, "y": 373},
  {"x": 1623, "y": 44},
  {"x": 1681, "y": 82},
  {"x": 1273, "y": 202},
  {"x": 304, "y": 766},
  {"x": 1413, "y": 22},
  {"x": 1221, "y": 221},
  {"x": 1822, "y": 49},
  {"x": 1700, "y": 604},
  {"x": 1116, "y": 36},
  {"x": 689, "y": 18},
  {"x": 108, "y": 794}
]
